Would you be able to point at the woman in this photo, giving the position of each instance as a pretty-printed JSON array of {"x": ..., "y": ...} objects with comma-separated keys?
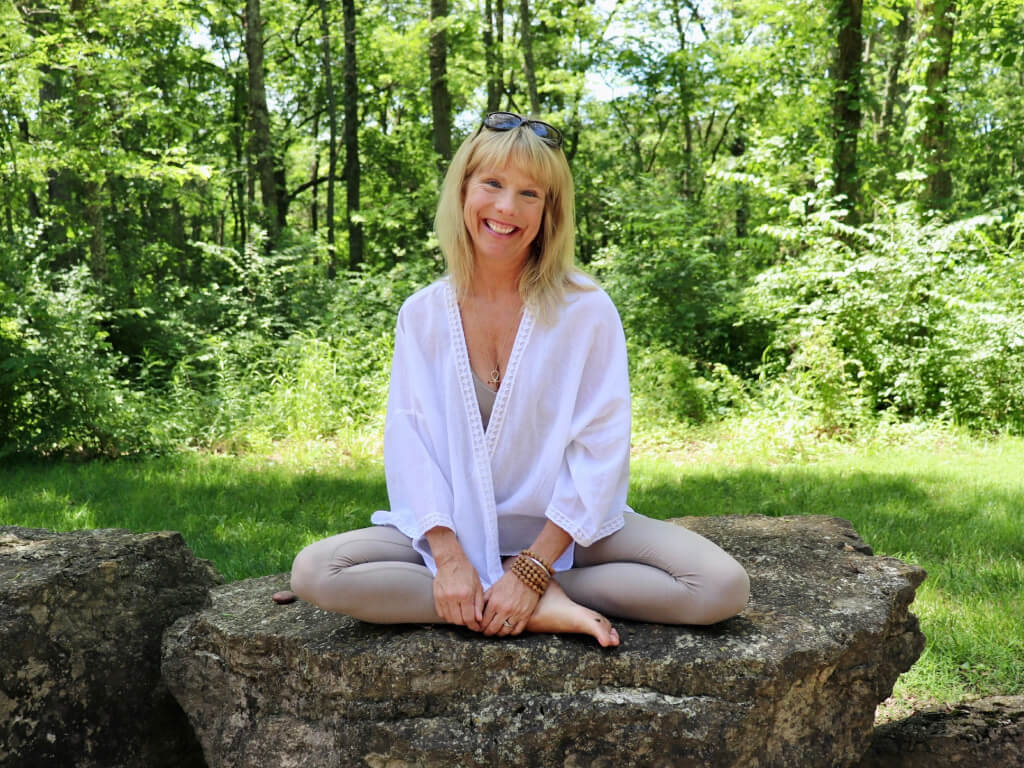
[{"x": 506, "y": 445}]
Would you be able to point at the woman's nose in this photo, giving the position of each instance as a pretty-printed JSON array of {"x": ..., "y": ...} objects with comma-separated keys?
[{"x": 506, "y": 201}]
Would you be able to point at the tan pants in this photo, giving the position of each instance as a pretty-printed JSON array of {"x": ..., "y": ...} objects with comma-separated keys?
[{"x": 649, "y": 570}]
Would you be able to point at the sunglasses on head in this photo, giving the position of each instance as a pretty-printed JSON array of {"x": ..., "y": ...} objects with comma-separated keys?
[{"x": 507, "y": 121}]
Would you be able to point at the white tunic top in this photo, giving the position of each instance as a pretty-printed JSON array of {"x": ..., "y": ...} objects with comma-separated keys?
[{"x": 556, "y": 446}]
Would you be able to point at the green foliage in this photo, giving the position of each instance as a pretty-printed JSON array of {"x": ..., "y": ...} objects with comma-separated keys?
[
  {"x": 920, "y": 318},
  {"x": 698, "y": 135},
  {"x": 243, "y": 386},
  {"x": 60, "y": 384},
  {"x": 676, "y": 284},
  {"x": 670, "y": 387}
]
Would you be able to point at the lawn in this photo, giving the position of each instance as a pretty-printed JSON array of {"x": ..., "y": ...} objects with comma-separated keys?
[{"x": 953, "y": 506}]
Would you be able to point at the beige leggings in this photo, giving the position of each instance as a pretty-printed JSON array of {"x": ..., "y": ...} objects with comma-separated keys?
[{"x": 649, "y": 570}]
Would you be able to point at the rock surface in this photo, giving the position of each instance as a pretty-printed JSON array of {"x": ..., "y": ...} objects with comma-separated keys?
[
  {"x": 81, "y": 620},
  {"x": 987, "y": 733},
  {"x": 793, "y": 681}
]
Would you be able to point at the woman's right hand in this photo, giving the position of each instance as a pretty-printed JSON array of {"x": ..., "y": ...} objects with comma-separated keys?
[{"x": 458, "y": 594}]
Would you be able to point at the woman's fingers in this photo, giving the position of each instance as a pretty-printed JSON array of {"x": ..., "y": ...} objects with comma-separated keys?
[
  {"x": 508, "y": 600},
  {"x": 458, "y": 595}
]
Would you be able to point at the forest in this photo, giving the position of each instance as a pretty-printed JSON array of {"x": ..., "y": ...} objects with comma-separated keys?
[{"x": 211, "y": 211}]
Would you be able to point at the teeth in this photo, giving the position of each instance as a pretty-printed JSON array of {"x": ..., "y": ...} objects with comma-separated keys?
[{"x": 501, "y": 229}]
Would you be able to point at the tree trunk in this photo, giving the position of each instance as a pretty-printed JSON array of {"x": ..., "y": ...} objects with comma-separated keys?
[
  {"x": 58, "y": 180},
  {"x": 314, "y": 173},
  {"x": 259, "y": 121},
  {"x": 351, "y": 107},
  {"x": 440, "y": 98},
  {"x": 91, "y": 189},
  {"x": 527, "y": 41},
  {"x": 92, "y": 192},
  {"x": 939, "y": 17},
  {"x": 240, "y": 202},
  {"x": 32, "y": 199},
  {"x": 491, "y": 58},
  {"x": 332, "y": 141},
  {"x": 687, "y": 171},
  {"x": 846, "y": 102},
  {"x": 892, "y": 79}
]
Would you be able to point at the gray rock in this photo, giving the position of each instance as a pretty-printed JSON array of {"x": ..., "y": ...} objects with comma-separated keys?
[
  {"x": 987, "y": 733},
  {"x": 793, "y": 681},
  {"x": 81, "y": 620}
]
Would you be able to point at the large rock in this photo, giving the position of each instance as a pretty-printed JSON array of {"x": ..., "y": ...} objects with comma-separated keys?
[
  {"x": 987, "y": 733},
  {"x": 793, "y": 681},
  {"x": 81, "y": 620}
]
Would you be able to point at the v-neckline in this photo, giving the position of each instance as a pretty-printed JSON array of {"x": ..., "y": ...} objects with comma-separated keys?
[{"x": 488, "y": 437}]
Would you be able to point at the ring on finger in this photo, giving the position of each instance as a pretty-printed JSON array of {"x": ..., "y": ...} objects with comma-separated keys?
[{"x": 508, "y": 623}]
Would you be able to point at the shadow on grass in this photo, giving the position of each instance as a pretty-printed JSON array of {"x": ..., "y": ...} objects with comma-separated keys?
[
  {"x": 967, "y": 535},
  {"x": 250, "y": 516}
]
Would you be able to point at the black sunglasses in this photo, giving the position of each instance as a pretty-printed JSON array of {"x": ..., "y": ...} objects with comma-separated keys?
[{"x": 507, "y": 121}]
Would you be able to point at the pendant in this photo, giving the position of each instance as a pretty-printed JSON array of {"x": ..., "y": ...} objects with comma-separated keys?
[{"x": 495, "y": 376}]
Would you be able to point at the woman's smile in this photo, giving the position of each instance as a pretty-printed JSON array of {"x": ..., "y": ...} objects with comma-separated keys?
[{"x": 499, "y": 228}]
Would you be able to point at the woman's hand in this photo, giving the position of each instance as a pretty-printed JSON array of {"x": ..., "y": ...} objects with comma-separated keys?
[
  {"x": 458, "y": 594},
  {"x": 509, "y": 599}
]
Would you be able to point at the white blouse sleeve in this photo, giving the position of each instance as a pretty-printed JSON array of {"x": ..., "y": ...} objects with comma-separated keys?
[
  {"x": 418, "y": 487},
  {"x": 590, "y": 493}
]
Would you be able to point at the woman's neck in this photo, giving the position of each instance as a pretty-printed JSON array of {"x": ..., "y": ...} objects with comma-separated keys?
[{"x": 494, "y": 284}]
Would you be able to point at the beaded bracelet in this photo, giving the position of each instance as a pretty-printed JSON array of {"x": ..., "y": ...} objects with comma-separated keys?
[
  {"x": 533, "y": 575},
  {"x": 539, "y": 560}
]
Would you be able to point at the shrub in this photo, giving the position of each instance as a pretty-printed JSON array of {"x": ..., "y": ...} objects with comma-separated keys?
[
  {"x": 925, "y": 316},
  {"x": 59, "y": 376}
]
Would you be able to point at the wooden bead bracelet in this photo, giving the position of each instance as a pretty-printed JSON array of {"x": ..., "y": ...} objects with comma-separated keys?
[{"x": 532, "y": 571}]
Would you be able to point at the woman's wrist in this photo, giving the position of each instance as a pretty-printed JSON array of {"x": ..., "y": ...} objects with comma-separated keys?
[
  {"x": 444, "y": 545},
  {"x": 550, "y": 544}
]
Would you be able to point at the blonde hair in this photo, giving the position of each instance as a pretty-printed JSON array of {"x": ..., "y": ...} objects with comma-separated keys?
[{"x": 549, "y": 269}]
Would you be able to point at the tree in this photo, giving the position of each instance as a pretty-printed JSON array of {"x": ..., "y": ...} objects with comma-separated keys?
[
  {"x": 526, "y": 37},
  {"x": 351, "y": 106},
  {"x": 260, "y": 142},
  {"x": 938, "y": 18},
  {"x": 332, "y": 141},
  {"x": 846, "y": 101},
  {"x": 494, "y": 41},
  {"x": 440, "y": 98}
]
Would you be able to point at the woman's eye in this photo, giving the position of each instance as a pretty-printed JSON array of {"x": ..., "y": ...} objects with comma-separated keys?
[
  {"x": 531, "y": 193},
  {"x": 493, "y": 183}
]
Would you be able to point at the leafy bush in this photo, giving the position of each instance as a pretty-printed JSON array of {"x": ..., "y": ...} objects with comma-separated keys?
[
  {"x": 59, "y": 380},
  {"x": 676, "y": 280},
  {"x": 329, "y": 376},
  {"x": 925, "y": 318},
  {"x": 669, "y": 386}
]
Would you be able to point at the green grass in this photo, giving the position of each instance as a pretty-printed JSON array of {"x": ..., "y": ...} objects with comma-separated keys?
[{"x": 952, "y": 504}]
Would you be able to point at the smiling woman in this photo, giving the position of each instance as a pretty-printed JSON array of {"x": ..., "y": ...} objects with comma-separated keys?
[
  {"x": 544, "y": 276},
  {"x": 506, "y": 445}
]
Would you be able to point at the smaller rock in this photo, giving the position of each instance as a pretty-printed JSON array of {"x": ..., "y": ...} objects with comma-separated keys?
[
  {"x": 284, "y": 597},
  {"x": 81, "y": 619},
  {"x": 979, "y": 734}
]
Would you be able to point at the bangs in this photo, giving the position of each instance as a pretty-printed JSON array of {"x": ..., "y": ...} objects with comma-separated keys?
[{"x": 496, "y": 149}]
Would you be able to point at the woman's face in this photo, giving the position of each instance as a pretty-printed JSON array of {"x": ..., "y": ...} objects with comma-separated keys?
[{"x": 503, "y": 209}]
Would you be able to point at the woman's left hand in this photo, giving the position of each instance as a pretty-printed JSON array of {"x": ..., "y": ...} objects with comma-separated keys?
[{"x": 508, "y": 606}]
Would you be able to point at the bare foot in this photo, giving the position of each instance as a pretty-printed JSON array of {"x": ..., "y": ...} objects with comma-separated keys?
[{"x": 556, "y": 613}]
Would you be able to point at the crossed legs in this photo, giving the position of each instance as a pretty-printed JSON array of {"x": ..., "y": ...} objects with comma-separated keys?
[{"x": 649, "y": 570}]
